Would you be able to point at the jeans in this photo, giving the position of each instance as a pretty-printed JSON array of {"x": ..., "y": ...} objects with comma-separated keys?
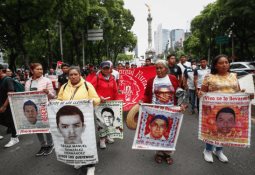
[
  {"x": 210, "y": 147},
  {"x": 45, "y": 139},
  {"x": 192, "y": 97}
]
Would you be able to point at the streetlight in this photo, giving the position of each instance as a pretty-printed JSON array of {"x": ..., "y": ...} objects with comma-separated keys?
[{"x": 49, "y": 49}]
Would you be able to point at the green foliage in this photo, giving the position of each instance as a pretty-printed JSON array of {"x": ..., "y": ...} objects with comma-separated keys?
[
  {"x": 124, "y": 57},
  {"x": 29, "y": 30},
  {"x": 224, "y": 18}
]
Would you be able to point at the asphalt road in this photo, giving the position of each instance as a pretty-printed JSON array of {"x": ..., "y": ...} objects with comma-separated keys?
[{"x": 120, "y": 159}]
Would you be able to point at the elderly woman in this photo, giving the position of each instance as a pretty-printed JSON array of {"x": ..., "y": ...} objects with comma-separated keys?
[
  {"x": 39, "y": 83},
  {"x": 161, "y": 90},
  {"x": 78, "y": 89},
  {"x": 220, "y": 80}
]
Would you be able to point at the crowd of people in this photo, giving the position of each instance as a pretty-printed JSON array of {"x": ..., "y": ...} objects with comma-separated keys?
[{"x": 101, "y": 85}]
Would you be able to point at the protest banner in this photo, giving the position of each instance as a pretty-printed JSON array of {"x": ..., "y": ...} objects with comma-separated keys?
[
  {"x": 225, "y": 119},
  {"x": 29, "y": 112},
  {"x": 73, "y": 131},
  {"x": 158, "y": 127},
  {"x": 110, "y": 119},
  {"x": 132, "y": 84}
]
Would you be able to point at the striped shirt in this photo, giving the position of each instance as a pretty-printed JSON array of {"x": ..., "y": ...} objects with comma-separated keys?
[{"x": 41, "y": 83}]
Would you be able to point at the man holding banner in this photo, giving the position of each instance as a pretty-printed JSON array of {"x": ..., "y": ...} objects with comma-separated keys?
[{"x": 220, "y": 81}]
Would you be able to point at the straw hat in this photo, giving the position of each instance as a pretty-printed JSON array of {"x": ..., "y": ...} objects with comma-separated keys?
[{"x": 132, "y": 117}]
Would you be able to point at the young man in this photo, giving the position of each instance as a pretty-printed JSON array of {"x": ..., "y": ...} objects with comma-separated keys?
[
  {"x": 173, "y": 68},
  {"x": 183, "y": 63},
  {"x": 147, "y": 62},
  {"x": 6, "y": 85},
  {"x": 188, "y": 81},
  {"x": 158, "y": 127},
  {"x": 199, "y": 75},
  {"x": 30, "y": 111},
  {"x": 63, "y": 78},
  {"x": 70, "y": 123}
]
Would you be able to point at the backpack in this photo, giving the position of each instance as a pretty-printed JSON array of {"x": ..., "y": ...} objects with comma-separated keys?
[
  {"x": 84, "y": 84},
  {"x": 18, "y": 87}
]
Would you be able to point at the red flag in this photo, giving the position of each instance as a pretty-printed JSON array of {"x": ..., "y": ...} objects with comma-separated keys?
[{"x": 132, "y": 84}]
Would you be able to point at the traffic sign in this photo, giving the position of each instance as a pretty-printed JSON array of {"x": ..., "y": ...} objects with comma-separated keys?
[
  {"x": 95, "y": 34},
  {"x": 221, "y": 40}
]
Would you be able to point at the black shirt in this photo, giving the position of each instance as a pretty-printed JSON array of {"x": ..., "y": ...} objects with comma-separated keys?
[
  {"x": 175, "y": 70},
  {"x": 6, "y": 85},
  {"x": 63, "y": 78}
]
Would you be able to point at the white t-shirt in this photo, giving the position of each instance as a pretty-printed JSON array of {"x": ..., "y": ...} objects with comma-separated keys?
[
  {"x": 201, "y": 73},
  {"x": 186, "y": 64},
  {"x": 116, "y": 74},
  {"x": 163, "y": 91}
]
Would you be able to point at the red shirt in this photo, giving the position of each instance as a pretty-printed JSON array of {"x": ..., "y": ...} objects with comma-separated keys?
[
  {"x": 90, "y": 76},
  {"x": 105, "y": 88}
]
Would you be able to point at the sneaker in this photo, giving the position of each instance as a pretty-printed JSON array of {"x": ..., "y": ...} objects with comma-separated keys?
[
  {"x": 220, "y": 156},
  {"x": 48, "y": 150},
  {"x": 208, "y": 156},
  {"x": 41, "y": 151},
  {"x": 91, "y": 171},
  {"x": 1, "y": 137},
  {"x": 102, "y": 143},
  {"x": 109, "y": 139},
  {"x": 77, "y": 166},
  {"x": 13, "y": 141}
]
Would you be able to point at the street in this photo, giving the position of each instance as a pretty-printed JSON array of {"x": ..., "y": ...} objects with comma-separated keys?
[{"x": 119, "y": 158}]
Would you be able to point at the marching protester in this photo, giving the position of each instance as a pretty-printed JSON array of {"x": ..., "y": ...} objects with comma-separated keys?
[
  {"x": 39, "y": 83},
  {"x": 91, "y": 72},
  {"x": 219, "y": 81},
  {"x": 77, "y": 89},
  {"x": 115, "y": 73},
  {"x": 188, "y": 81},
  {"x": 199, "y": 75},
  {"x": 6, "y": 85},
  {"x": 183, "y": 63},
  {"x": 127, "y": 65},
  {"x": 174, "y": 69},
  {"x": 106, "y": 88},
  {"x": 161, "y": 90},
  {"x": 148, "y": 62},
  {"x": 63, "y": 78}
]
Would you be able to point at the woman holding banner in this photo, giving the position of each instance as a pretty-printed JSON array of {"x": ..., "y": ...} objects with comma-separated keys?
[
  {"x": 220, "y": 80},
  {"x": 161, "y": 90},
  {"x": 78, "y": 89},
  {"x": 39, "y": 83},
  {"x": 106, "y": 87}
]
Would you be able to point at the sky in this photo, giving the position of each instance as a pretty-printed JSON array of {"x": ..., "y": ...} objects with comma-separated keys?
[{"x": 172, "y": 14}]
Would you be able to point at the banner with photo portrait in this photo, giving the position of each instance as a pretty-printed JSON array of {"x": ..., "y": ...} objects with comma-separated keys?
[
  {"x": 158, "y": 127},
  {"x": 110, "y": 119},
  {"x": 29, "y": 111},
  {"x": 225, "y": 119},
  {"x": 73, "y": 131}
]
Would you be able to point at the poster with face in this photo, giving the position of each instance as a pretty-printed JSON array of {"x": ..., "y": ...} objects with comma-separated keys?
[
  {"x": 225, "y": 119},
  {"x": 73, "y": 131},
  {"x": 158, "y": 127},
  {"x": 29, "y": 112},
  {"x": 109, "y": 119}
]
